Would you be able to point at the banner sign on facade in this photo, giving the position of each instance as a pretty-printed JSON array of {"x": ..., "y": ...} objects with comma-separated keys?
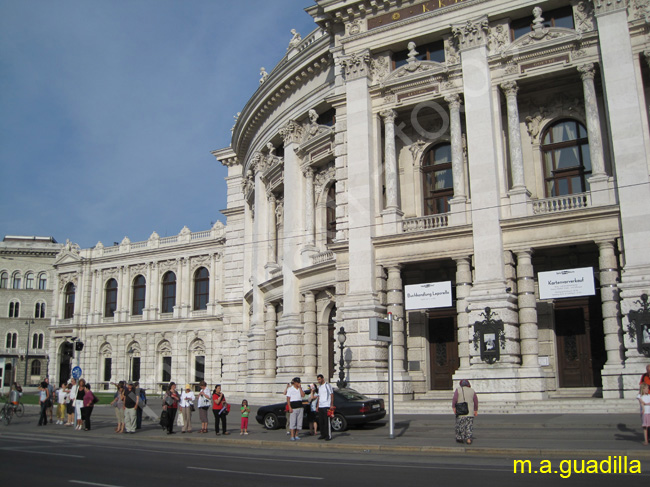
[
  {"x": 430, "y": 295},
  {"x": 566, "y": 283}
]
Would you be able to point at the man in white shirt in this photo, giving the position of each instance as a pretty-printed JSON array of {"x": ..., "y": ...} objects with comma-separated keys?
[
  {"x": 325, "y": 402},
  {"x": 294, "y": 405}
]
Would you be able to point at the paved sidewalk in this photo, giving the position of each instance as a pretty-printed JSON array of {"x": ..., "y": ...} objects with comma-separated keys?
[{"x": 518, "y": 436}]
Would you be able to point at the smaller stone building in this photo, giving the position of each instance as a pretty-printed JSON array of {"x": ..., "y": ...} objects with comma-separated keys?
[{"x": 26, "y": 276}]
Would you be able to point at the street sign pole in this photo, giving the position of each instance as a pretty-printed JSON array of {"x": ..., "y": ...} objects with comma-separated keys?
[{"x": 391, "y": 395}]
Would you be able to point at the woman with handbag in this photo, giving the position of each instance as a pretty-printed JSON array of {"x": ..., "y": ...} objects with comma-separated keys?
[
  {"x": 219, "y": 409},
  {"x": 465, "y": 406},
  {"x": 187, "y": 406},
  {"x": 170, "y": 405}
]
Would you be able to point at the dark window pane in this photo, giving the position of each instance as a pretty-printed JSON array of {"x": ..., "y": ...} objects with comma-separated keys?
[
  {"x": 169, "y": 292},
  {"x": 199, "y": 367},
  {"x": 139, "y": 294},
  {"x": 201, "y": 288},
  {"x": 167, "y": 369},
  {"x": 111, "y": 298},
  {"x": 108, "y": 364}
]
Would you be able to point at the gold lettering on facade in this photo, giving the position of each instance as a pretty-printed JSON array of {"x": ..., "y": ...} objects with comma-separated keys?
[
  {"x": 395, "y": 16},
  {"x": 407, "y": 12},
  {"x": 425, "y": 8}
]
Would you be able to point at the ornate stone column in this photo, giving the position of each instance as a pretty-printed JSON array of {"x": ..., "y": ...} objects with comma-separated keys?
[
  {"x": 270, "y": 342},
  {"x": 395, "y": 305},
  {"x": 391, "y": 214},
  {"x": 528, "y": 330},
  {"x": 186, "y": 284},
  {"x": 214, "y": 280},
  {"x": 463, "y": 288},
  {"x": 309, "y": 347},
  {"x": 309, "y": 206},
  {"x": 93, "y": 298},
  {"x": 273, "y": 230},
  {"x": 587, "y": 73},
  {"x": 608, "y": 269},
  {"x": 458, "y": 202}
]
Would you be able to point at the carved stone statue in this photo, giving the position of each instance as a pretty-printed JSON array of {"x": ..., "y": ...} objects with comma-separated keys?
[
  {"x": 538, "y": 21},
  {"x": 263, "y": 75},
  {"x": 295, "y": 40},
  {"x": 271, "y": 149},
  {"x": 412, "y": 55}
]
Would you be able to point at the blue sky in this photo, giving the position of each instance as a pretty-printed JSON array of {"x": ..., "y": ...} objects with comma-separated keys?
[{"x": 109, "y": 110}]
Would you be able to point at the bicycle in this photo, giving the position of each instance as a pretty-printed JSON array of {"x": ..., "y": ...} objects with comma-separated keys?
[{"x": 7, "y": 413}]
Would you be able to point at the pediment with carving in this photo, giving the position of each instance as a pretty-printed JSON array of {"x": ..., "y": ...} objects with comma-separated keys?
[
  {"x": 412, "y": 71},
  {"x": 317, "y": 143},
  {"x": 541, "y": 38}
]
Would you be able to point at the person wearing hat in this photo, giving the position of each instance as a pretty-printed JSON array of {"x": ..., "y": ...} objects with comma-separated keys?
[
  {"x": 294, "y": 405},
  {"x": 186, "y": 404}
]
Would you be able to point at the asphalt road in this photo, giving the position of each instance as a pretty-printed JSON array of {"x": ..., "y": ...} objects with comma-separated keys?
[{"x": 35, "y": 458}]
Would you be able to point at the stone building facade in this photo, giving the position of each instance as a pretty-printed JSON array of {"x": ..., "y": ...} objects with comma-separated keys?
[
  {"x": 26, "y": 277},
  {"x": 473, "y": 143}
]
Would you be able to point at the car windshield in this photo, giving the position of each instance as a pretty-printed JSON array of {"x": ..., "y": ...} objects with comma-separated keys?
[{"x": 352, "y": 395}]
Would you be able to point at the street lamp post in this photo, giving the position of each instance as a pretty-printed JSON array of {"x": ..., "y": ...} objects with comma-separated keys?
[
  {"x": 341, "y": 336},
  {"x": 29, "y": 324},
  {"x": 131, "y": 351}
]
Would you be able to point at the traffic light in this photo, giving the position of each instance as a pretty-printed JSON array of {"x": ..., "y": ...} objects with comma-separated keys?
[
  {"x": 68, "y": 349},
  {"x": 79, "y": 346}
]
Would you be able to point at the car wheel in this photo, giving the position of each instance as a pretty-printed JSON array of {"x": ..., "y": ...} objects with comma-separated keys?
[
  {"x": 271, "y": 421},
  {"x": 339, "y": 423}
]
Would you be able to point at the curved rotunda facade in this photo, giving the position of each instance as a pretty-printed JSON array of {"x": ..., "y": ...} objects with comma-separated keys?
[{"x": 478, "y": 144}]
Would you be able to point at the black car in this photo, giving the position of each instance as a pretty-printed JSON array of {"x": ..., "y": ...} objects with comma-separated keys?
[{"x": 352, "y": 408}]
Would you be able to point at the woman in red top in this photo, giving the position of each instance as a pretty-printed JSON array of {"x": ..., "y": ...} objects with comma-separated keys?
[{"x": 219, "y": 409}]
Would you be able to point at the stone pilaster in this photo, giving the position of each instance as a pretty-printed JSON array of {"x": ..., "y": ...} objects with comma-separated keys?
[
  {"x": 309, "y": 347},
  {"x": 458, "y": 204},
  {"x": 270, "y": 342},
  {"x": 273, "y": 229},
  {"x": 463, "y": 288},
  {"x": 392, "y": 214},
  {"x": 309, "y": 207},
  {"x": 395, "y": 305}
]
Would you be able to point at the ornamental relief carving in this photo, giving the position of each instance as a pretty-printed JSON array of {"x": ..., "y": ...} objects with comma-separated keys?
[
  {"x": 471, "y": 33},
  {"x": 640, "y": 9},
  {"x": 583, "y": 13},
  {"x": 379, "y": 68},
  {"x": 353, "y": 28},
  {"x": 323, "y": 177},
  {"x": 134, "y": 270},
  {"x": 291, "y": 132},
  {"x": 64, "y": 279},
  {"x": 568, "y": 105},
  {"x": 202, "y": 261},
  {"x": 356, "y": 65},
  {"x": 112, "y": 273},
  {"x": 168, "y": 265},
  {"x": 498, "y": 38},
  {"x": 414, "y": 67}
]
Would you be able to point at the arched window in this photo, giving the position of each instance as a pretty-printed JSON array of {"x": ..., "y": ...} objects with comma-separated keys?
[
  {"x": 39, "y": 310},
  {"x": 29, "y": 280},
  {"x": 437, "y": 180},
  {"x": 201, "y": 288},
  {"x": 110, "y": 304},
  {"x": 37, "y": 340},
  {"x": 139, "y": 293},
  {"x": 12, "y": 340},
  {"x": 36, "y": 367},
  {"x": 331, "y": 214},
  {"x": 16, "y": 280},
  {"x": 69, "y": 301},
  {"x": 567, "y": 165},
  {"x": 169, "y": 292},
  {"x": 4, "y": 280},
  {"x": 14, "y": 309},
  {"x": 42, "y": 282}
]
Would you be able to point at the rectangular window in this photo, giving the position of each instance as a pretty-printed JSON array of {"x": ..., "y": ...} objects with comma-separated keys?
[
  {"x": 135, "y": 369},
  {"x": 199, "y": 369},
  {"x": 434, "y": 51},
  {"x": 166, "y": 369},
  {"x": 108, "y": 364}
]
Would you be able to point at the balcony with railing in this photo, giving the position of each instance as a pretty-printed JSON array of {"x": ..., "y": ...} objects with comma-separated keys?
[
  {"x": 422, "y": 223},
  {"x": 561, "y": 203}
]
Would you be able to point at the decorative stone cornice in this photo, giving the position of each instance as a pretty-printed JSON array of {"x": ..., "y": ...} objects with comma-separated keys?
[
  {"x": 471, "y": 33},
  {"x": 356, "y": 65},
  {"x": 587, "y": 71},
  {"x": 291, "y": 132},
  {"x": 603, "y": 7}
]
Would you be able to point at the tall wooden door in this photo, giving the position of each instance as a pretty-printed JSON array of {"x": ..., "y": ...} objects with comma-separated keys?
[
  {"x": 443, "y": 350},
  {"x": 580, "y": 344}
]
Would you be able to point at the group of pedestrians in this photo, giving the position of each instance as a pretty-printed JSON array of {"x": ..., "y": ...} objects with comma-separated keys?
[
  {"x": 76, "y": 401},
  {"x": 187, "y": 402},
  {"x": 129, "y": 401},
  {"x": 320, "y": 403}
]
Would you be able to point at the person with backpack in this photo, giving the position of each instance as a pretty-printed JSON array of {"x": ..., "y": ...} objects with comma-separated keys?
[{"x": 130, "y": 407}]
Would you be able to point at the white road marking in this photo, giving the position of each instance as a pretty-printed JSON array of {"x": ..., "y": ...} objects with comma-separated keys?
[
  {"x": 256, "y": 473},
  {"x": 23, "y": 449},
  {"x": 92, "y": 483}
]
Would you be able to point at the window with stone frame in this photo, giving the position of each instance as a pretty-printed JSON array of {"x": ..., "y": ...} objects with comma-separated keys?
[
  {"x": 437, "y": 179},
  {"x": 201, "y": 288},
  {"x": 16, "y": 280},
  {"x": 70, "y": 291},
  {"x": 37, "y": 341},
  {"x": 110, "y": 301},
  {"x": 168, "y": 292},
  {"x": 4, "y": 280},
  {"x": 39, "y": 310},
  {"x": 42, "y": 282},
  {"x": 36, "y": 367},
  {"x": 566, "y": 159},
  {"x": 29, "y": 280},
  {"x": 433, "y": 51},
  {"x": 12, "y": 340},
  {"x": 560, "y": 17},
  {"x": 139, "y": 294},
  {"x": 14, "y": 309},
  {"x": 330, "y": 215},
  {"x": 166, "y": 369}
]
